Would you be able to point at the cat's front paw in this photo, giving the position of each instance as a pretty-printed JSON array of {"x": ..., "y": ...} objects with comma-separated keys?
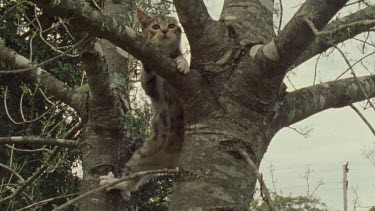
[
  {"x": 104, "y": 180},
  {"x": 182, "y": 65}
]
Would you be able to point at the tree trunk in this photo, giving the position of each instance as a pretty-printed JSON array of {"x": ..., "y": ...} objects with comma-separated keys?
[
  {"x": 233, "y": 96},
  {"x": 212, "y": 174}
]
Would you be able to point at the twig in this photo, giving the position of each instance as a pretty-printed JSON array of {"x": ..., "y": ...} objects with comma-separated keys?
[
  {"x": 102, "y": 188},
  {"x": 13, "y": 172},
  {"x": 13, "y": 7},
  {"x": 42, "y": 169},
  {"x": 363, "y": 118},
  {"x": 263, "y": 187},
  {"x": 304, "y": 132},
  {"x": 354, "y": 75},
  {"x": 316, "y": 68},
  {"x": 28, "y": 150},
  {"x": 311, "y": 25},
  {"x": 46, "y": 201},
  {"x": 36, "y": 174},
  {"x": 281, "y": 16},
  {"x": 41, "y": 31},
  {"x": 45, "y": 62},
  {"x": 355, "y": 63},
  {"x": 35, "y": 140},
  {"x": 357, "y": 2},
  {"x": 342, "y": 27},
  {"x": 273, "y": 178},
  {"x": 290, "y": 81}
]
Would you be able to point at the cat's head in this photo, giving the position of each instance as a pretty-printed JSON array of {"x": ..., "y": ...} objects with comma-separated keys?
[{"x": 162, "y": 31}]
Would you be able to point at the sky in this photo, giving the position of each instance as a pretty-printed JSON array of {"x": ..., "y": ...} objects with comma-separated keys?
[{"x": 337, "y": 136}]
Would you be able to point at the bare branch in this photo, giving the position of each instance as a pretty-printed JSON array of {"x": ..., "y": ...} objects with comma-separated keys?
[
  {"x": 28, "y": 150},
  {"x": 297, "y": 35},
  {"x": 12, "y": 172},
  {"x": 55, "y": 87},
  {"x": 259, "y": 176},
  {"x": 46, "y": 201},
  {"x": 338, "y": 31},
  {"x": 33, "y": 67},
  {"x": 280, "y": 16},
  {"x": 100, "y": 25},
  {"x": 34, "y": 140},
  {"x": 35, "y": 175},
  {"x": 363, "y": 119},
  {"x": 104, "y": 187},
  {"x": 355, "y": 76},
  {"x": 39, "y": 171},
  {"x": 303, "y": 103}
]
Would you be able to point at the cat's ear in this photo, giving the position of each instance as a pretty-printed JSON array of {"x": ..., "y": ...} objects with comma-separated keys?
[{"x": 143, "y": 18}]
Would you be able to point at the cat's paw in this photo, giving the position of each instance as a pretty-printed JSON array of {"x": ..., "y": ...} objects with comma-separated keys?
[
  {"x": 182, "y": 65},
  {"x": 104, "y": 180}
]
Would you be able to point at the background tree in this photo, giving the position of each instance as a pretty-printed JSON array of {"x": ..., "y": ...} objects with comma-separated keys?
[{"x": 234, "y": 96}]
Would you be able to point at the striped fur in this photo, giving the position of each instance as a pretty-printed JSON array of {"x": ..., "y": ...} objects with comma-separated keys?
[{"x": 163, "y": 147}]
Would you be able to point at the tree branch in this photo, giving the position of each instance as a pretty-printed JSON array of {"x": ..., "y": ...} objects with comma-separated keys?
[
  {"x": 263, "y": 187},
  {"x": 99, "y": 25},
  {"x": 201, "y": 31},
  {"x": 34, "y": 140},
  {"x": 247, "y": 17},
  {"x": 335, "y": 33},
  {"x": 297, "y": 35},
  {"x": 95, "y": 64},
  {"x": 12, "y": 172},
  {"x": 363, "y": 119},
  {"x": 47, "y": 201},
  {"x": 104, "y": 187},
  {"x": 303, "y": 103},
  {"x": 55, "y": 87},
  {"x": 39, "y": 171}
]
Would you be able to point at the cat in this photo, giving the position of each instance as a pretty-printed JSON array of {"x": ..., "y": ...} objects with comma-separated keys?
[{"x": 163, "y": 147}]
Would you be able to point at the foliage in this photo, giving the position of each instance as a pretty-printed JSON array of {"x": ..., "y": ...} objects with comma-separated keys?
[
  {"x": 290, "y": 203},
  {"x": 20, "y": 30},
  {"x": 35, "y": 114}
]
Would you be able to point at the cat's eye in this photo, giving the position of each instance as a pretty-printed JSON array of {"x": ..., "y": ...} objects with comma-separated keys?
[
  {"x": 155, "y": 27},
  {"x": 171, "y": 26}
]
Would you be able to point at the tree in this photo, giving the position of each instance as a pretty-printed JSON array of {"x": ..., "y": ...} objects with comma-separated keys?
[
  {"x": 234, "y": 96},
  {"x": 291, "y": 203}
]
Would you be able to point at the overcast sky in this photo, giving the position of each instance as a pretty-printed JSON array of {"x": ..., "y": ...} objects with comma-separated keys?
[{"x": 338, "y": 135}]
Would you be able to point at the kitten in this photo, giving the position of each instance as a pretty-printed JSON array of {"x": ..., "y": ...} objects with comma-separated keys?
[{"x": 163, "y": 147}]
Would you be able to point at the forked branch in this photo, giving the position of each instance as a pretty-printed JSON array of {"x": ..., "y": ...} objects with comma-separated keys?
[
  {"x": 100, "y": 25},
  {"x": 339, "y": 31},
  {"x": 297, "y": 35}
]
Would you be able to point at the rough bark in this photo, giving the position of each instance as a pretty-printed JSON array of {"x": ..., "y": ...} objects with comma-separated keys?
[
  {"x": 99, "y": 25},
  {"x": 105, "y": 146},
  {"x": 303, "y": 103},
  {"x": 289, "y": 44},
  {"x": 233, "y": 98},
  {"x": 250, "y": 21},
  {"x": 208, "y": 38}
]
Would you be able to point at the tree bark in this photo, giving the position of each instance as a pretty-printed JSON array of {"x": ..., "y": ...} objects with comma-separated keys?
[{"x": 233, "y": 97}]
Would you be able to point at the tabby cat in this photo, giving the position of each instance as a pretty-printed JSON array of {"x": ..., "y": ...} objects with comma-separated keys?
[{"x": 163, "y": 147}]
